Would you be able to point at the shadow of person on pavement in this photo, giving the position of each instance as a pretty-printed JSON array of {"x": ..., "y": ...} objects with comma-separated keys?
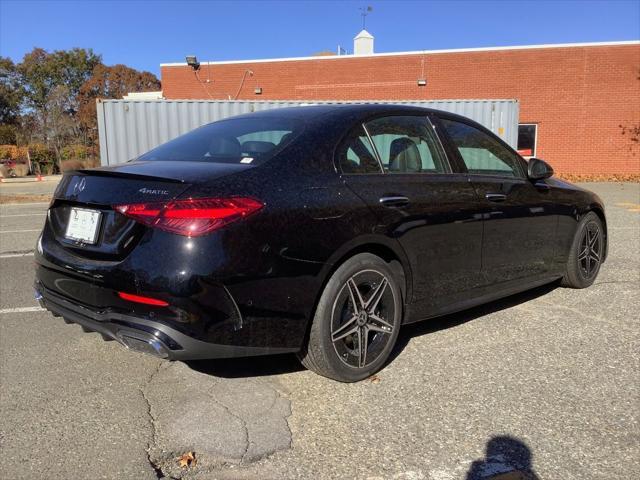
[{"x": 506, "y": 458}]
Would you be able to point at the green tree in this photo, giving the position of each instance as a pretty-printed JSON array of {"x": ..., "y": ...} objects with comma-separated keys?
[
  {"x": 76, "y": 67},
  {"x": 8, "y": 134},
  {"x": 43, "y": 72},
  {"x": 11, "y": 92}
]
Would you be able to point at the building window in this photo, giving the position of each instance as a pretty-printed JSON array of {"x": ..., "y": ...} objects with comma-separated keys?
[{"x": 527, "y": 139}]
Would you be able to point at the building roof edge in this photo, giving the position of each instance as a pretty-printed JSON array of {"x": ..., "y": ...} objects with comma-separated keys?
[{"x": 416, "y": 52}]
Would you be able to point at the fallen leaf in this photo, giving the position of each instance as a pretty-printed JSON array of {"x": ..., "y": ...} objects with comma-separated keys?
[
  {"x": 374, "y": 379},
  {"x": 187, "y": 460}
]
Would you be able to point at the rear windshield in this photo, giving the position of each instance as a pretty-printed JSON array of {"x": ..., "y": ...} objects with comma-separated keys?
[{"x": 241, "y": 140}]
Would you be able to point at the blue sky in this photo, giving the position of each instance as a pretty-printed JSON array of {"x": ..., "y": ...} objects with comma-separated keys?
[{"x": 143, "y": 34}]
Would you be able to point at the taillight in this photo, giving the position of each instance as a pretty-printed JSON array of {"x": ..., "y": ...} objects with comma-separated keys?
[{"x": 192, "y": 217}]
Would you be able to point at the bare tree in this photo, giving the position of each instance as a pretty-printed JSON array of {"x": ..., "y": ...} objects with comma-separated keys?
[{"x": 61, "y": 127}]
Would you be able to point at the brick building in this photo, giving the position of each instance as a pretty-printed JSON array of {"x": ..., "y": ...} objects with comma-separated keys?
[{"x": 575, "y": 99}]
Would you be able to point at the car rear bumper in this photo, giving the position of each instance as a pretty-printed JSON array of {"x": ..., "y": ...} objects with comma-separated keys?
[{"x": 142, "y": 334}]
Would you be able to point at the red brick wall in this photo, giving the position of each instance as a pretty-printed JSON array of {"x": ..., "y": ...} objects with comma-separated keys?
[{"x": 579, "y": 96}]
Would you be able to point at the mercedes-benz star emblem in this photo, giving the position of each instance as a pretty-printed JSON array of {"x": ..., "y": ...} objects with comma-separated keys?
[{"x": 78, "y": 187}]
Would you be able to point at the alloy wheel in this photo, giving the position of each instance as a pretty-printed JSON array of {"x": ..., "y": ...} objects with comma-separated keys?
[
  {"x": 589, "y": 256},
  {"x": 363, "y": 318}
]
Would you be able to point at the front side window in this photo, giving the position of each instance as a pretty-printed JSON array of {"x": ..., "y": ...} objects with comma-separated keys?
[
  {"x": 407, "y": 144},
  {"x": 241, "y": 140},
  {"x": 481, "y": 153}
]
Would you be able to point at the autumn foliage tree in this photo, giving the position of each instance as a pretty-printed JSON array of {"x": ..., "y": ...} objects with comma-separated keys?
[
  {"x": 48, "y": 100},
  {"x": 111, "y": 82},
  {"x": 51, "y": 83}
]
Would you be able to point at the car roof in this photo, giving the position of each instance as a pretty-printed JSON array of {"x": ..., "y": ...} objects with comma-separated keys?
[{"x": 337, "y": 111}]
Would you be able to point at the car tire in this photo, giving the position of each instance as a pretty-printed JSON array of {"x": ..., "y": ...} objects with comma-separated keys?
[
  {"x": 586, "y": 254},
  {"x": 351, "y": 341}
]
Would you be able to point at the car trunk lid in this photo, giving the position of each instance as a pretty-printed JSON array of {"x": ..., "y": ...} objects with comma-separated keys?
[
  {"x": 139, "y": 181},
  {"x": 92, "y": 193}
]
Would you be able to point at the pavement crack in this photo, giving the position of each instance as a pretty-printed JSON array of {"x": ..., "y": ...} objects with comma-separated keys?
[
  {"x": 573, "y": 310},
  {"x": 277, "y": 396},
  {"x": 598, "y": 318},
  {"x": 287, "y": 416},
  {"x": 243, "y": 422},
  {"x": 152, "y": 423}
]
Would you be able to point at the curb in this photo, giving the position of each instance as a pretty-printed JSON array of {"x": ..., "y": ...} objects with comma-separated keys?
[
  {"x": 37, "y": 178},
  {"x": 20, "y": 199}
]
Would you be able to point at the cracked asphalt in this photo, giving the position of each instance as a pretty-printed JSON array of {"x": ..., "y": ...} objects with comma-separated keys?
[{"x": 545, "y": 382}]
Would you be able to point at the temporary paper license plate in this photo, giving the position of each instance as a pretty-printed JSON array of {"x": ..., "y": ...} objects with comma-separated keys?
[{"x": 83, "y": 225}]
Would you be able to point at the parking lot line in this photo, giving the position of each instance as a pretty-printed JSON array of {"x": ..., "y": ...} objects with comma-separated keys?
[
  {"x": 20, "y": 231},
  {"x": 16, "y": 255},
  {"x": 631, "y": 207},
  {"x": 21, "y": 310},
  {"x": 25, "y": 215}
]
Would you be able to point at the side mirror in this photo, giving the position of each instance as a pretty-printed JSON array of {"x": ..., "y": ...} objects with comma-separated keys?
[{"x": 539, "y": 169}]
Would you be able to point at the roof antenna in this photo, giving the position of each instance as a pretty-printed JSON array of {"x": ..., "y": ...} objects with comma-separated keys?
[{"x": 364, "y": 11}]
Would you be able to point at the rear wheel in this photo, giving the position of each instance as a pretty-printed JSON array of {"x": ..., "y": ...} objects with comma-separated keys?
[
  {"x": 587, "y": 250},
  {"x": 356, "y": 322}
]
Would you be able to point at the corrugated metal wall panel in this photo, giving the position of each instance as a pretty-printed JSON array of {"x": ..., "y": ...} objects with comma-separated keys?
[{"x": 128, "y": 128}]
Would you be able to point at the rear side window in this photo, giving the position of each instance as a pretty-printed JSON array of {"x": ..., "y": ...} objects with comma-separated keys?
[
  {"x": 407, "y": 144},
  {"x": 482, "y": 154},
  {"x": 356, "y": 155},
  {"x": 242, "y": 140}
]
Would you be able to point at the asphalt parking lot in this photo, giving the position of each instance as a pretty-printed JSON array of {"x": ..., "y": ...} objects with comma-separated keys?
[{"x": 546, "y": 381}]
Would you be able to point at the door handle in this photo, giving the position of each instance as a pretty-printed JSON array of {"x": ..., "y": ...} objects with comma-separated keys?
[
  {"x": 495, "y": 197},
  {"x": 394, "y": 201}
]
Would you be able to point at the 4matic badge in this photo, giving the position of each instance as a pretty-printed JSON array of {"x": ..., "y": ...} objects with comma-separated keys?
[{"x": 153, "y": 191}]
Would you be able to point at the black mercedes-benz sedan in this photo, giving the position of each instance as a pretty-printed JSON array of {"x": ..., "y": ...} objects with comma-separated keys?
[{"x": 319, "y": 230}]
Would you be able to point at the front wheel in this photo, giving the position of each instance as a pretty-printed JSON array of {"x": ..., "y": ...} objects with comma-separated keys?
[
  {"x": 586, "y": 254},
  {"x": 356, "y": 322}
]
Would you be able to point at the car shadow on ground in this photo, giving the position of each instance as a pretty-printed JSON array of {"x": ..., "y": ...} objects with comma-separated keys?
[
  {"x": 288, "y": 363},
  {"x": 248, "y": 366},
  {"x": 407, "y": 332}
]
